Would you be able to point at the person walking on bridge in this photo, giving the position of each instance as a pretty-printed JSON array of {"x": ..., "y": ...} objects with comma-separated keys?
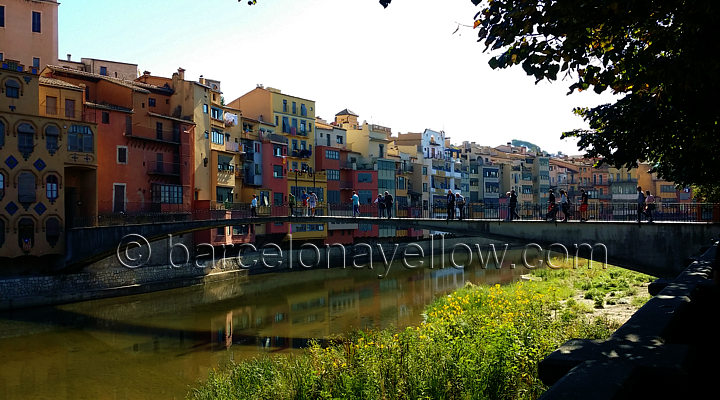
[
  {"x": 583, "y": 205},
  {"x": 649, "y": 205},
  {"x": 552, "y": 207},
  {"x": 355, "y": 204},
  {"x": 388, "y": 200},
  {"x": 640, "y": 204},
  {"x": 253, "y": 206},
  {"x": 564, "y": 205},
  {"x": 460, "y": 201},
  {"x": 450, "y": 205},
  {"x": 292, "y": 203},
  {"x": 380, "y": 202},
  {"x": 513, "y": 205}
]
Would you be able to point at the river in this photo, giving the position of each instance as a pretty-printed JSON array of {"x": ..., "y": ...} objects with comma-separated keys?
[{"x": 160, "y": 344}]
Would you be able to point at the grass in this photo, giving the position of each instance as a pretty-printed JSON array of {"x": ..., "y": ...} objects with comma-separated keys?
[{"x": 478, "y": 342}]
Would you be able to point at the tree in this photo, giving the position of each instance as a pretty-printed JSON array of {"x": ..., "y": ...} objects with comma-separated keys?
[{"x": 660, "y": 56}]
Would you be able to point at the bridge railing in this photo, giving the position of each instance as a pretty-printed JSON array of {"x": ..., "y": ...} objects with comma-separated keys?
[{"x": 153, "y": 213}]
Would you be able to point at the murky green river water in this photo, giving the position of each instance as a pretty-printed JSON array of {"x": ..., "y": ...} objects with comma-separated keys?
[{"x": 157, "y": 345}]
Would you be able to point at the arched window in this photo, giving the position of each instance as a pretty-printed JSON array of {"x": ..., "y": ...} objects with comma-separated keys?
[
  {"x": 12, "y": 88},
  {"x": 26, "y": 139},
  {"x": 51, "y": 188},
  {"x": 52, "y": 231},
  {"x": 26, "y": 189},
  {"x": 52, "y": 136},
  {"x": 26, "y": 234},
  {"x": 2, "y": 185}
]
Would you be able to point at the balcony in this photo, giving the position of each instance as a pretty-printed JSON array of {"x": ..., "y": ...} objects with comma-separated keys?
[
  {"x": 163, "y": 168},
  {"x": 154, "y": 135},
  {"x": 301, "y": 153},
  {"x": 232, "y": 146}
]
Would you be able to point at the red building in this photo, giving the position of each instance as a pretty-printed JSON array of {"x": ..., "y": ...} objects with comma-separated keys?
[
  {"x": 144, "y": 154},
  {"x": 275, "y": 180}
]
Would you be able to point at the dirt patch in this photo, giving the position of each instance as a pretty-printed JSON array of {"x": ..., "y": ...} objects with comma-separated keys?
[{"x": 619, "y": 309}]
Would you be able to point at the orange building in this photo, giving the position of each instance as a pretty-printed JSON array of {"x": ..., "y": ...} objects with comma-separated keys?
[
  {"x": 29, "y": 32},
  {"x": 144, "y": 153}
]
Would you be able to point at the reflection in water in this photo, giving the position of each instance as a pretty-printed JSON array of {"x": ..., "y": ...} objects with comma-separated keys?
[{"x": 157, "y": 345}]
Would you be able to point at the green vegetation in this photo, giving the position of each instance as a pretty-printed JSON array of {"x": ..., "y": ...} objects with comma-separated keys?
[{"x": 478, "y": 342}]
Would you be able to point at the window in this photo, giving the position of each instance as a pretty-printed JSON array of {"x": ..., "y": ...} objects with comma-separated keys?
[
  {"x": 26, "y": 137},
  {"x": 218, "y": 137},
  {"x": 12, "y": 89},
  {"x": 365, "y": 177},
  {"x": 401, "y": 183},
  {"x": 69, "y": 108},
  {"x": 277, "y": 151},
  {"x": 52, "y": 137},
  {"x": 2, "y": 134},
  {"x": 333, "y": 196},
  {"x": 425, "y": 187},
  {"x": 302, "y": 126},
  {"x": 332, "y": 154},
  {"x": 284, "y": 106},
  {"x": 216, "y": 113},
  {"x": 36, "y": 62},
  {"x": 26, "y": 189},
  {"x": 80, "y": 138},
  {"x": 103, "y": 71},
  {"x": 52, "y": 231},
  {"x": 278, "y": 199},
  {"x": 285, "y": 125},
  {"x": 277, "y": 171},
  {"x": 128, "y": 125},
  {"x": 122, "y": 153},
  {"x": 2, "y": 16},
  {"x": 159, "y": 130},
  {"x": 303, "y": 110},
  {"x": 166, "y": 194},
  {"x": 2, "y": 185},
  {"x": 36, "y": 22},
  {"x": 50, "y": 105},
  {"x": 424, "y": 171},
  {"x": 51, "y": 188},
  {"x": 339, "y": 139},
  {"x": 294, "y": 108},
  {"x": 105, "y": 119},
  {"x": 151, "y": 102},
  {"x": 26, "y": 234},
  {"x": 333, "y": 174},
  {"x": 205, "y": 108}
]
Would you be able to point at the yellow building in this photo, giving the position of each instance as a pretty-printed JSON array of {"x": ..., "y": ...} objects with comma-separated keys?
[
  {"x": 47, "y": 163},
  {"x": 293, "y": 118},
  {"x": 29, "y": 32}
]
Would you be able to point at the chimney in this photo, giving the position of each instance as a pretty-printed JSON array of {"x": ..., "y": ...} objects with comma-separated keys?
[
  {"x": 146, "y": 72},
  {"x": 69, "y": 56},
  {"x": 181, "y": 74}
]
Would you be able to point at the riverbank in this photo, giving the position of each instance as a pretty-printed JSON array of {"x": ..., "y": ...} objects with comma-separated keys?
[{"x": 478, "y": 342}]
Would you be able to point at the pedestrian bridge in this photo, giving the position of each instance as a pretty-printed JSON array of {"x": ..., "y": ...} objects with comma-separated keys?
[{"x": 659, "y": 249}]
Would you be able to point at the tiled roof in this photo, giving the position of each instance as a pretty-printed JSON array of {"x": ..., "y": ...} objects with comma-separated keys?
[
  {"x": 142, "y": 87},
  {"x": 346, "y": 112},
  {"x": 58, "y": 83}
]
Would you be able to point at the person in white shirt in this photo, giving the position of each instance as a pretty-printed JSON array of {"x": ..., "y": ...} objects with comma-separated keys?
[
  {"x": 649, "y": 205},
  {"x": 253, "y": 206}
]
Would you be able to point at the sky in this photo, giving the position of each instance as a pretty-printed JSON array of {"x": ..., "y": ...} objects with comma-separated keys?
[{"x": 400, "y": 67}]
